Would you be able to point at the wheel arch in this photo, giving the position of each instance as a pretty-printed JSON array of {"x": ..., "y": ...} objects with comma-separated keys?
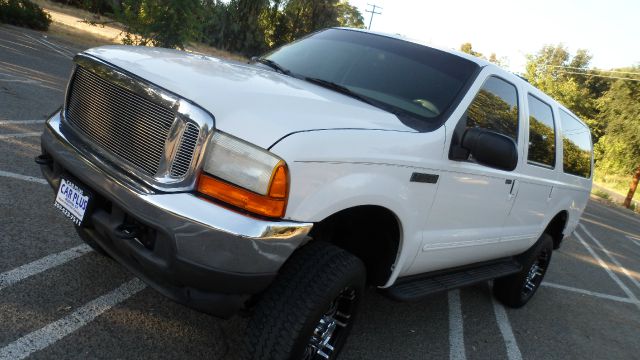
[
  {"x": 556, "y": 227},
  {"x": 373, "y": 233}
]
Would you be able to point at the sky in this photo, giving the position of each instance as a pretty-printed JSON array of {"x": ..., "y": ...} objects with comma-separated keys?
[{"x": 609, "y": 29}]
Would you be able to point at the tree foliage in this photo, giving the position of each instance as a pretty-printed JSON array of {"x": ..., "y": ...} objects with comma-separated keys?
[
  {"x": 607, "y": 101},
  {"x": 164, "y": 23},
  {"x": 301, "y": 17},
  {"x": 24, "y": 13},
  {"x": 468, "y": 48},
  {"x": 618, "y": 151},
  {"x": 249, "y": 27},
  {"x": 569, "y": 80}
]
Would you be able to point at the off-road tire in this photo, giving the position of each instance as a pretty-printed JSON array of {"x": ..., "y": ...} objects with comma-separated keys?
[
  {"x": 510, "y": 290},
  {"x": 286, "y": 316}
]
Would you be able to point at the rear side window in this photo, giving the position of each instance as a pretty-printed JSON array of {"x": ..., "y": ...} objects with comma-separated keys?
[
  {"x": 495, "y": 108},
  {"x": 576, "y": 143},
  {"x": 542, "y": 133}
]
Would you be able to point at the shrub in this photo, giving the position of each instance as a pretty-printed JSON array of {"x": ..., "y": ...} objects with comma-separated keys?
[
  {"x": 95, "y": 6},
  {"x": 601, "y": 194},
  {"x": 24, "y": 13}
]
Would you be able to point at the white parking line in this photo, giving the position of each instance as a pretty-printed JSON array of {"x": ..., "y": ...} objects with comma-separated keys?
[
  {"x": 456, "y": 327},
  {"x": 21, "y": 135},
  {"x": 588, "y": 292},
  {"x": 57, "y": 330},
  {"x": 513, "y": 351},
  {"x": 22, "y": 177},
  {"x": 13, "y": 276},
  {"x": 604, "y": 265},
  {"x": 19, "y": 122},
  {"x": 634, "y": 240},
  {"x": 611, "y": 257},
  {"x": 51, "y": 46}
]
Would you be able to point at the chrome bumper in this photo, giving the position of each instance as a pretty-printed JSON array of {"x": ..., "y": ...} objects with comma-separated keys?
[{"x": 202, "y": 233}]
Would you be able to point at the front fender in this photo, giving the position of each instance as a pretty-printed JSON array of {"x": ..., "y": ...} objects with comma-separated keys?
[{"x": 334, "y": 170}]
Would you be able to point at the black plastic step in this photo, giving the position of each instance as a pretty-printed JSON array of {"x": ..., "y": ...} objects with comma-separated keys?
[{"x": 417, "y": 287}]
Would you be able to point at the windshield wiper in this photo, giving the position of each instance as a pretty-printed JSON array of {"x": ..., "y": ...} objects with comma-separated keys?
[
  {"x": 339, "y": 88},
  {"x": 272, "y": 64}
]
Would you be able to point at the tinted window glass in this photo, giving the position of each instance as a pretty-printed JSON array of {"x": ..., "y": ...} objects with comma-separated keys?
[
  {"x": 495, "y": 108},
  {"x": 405, "y": 78},
  {"x": 576, "y": 143},
  {"x": 542, "y": 138}
]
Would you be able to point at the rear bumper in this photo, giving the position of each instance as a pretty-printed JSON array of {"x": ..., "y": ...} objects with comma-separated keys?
[{"x": 192, "y": 250}]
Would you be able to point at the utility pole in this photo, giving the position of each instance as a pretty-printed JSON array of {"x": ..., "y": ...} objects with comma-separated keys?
[{"x": 373, "y": 12}]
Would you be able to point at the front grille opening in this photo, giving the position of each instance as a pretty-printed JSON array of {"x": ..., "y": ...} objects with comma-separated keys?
[{"x": 118, "y": 120}]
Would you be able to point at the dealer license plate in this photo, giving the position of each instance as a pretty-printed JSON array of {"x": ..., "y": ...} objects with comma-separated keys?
[{"x": 73, "y": 201}]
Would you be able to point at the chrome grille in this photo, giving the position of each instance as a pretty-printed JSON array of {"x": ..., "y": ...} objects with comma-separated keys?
[
  {"x": 120, "y": 121},
  {"x": 184, "y": 155}
]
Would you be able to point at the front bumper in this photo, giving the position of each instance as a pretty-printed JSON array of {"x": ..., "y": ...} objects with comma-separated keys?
[{"x": 196, "y": 252}]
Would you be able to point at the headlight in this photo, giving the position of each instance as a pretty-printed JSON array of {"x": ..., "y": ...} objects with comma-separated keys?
[{"x": 245, "y": 176}]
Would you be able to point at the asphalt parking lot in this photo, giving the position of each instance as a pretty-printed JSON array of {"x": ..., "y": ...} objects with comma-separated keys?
[{"x": 60, "y": 300}]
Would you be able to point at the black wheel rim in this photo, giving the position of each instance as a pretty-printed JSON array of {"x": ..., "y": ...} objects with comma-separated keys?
[
  {"x": 332, "y": 327},
  {"x": 536, "y": 273}
]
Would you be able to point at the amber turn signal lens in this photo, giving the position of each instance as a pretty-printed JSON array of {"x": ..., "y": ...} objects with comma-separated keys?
[
  {"x": 279, "y": 182},
  {"x": 272, "y": 205}
]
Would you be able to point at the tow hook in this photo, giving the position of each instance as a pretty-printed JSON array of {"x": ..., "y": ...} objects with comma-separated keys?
[
  {"x": 44, "y": 159},
  {"x": 127, "y": 231}
]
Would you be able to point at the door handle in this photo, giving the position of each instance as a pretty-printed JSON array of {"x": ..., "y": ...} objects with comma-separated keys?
[{"x": 515, "y": 185}]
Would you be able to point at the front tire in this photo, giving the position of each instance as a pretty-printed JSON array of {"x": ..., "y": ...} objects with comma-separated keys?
[
  {"x": 517, "y": 289},
  {"x": 309, "y": 310}
]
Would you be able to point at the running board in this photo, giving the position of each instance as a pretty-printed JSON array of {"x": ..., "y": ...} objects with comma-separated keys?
[{"x": 417, "y": 287}]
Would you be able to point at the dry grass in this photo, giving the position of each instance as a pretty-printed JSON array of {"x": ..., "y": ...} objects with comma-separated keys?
[
  {"x": 71, "y": 11},
  {"x": 76, "y": 37}
]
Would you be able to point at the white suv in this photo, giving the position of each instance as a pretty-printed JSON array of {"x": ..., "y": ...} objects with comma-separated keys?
[{"x": 285, "y": 186}]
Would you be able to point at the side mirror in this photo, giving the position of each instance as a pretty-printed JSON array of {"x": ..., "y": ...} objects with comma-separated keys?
[{"x": 490, "y": 148}]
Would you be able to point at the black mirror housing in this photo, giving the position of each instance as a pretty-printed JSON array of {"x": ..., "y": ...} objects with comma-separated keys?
[{"x": 491, "y": 149}]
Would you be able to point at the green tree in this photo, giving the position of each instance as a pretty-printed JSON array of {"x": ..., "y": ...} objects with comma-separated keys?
[
  {"x": 164, "y": 23},
  {"x": 24, "y": 13},
  {"x": 618, "y": 151},
  {"x": 349, "y": 15},
  {"x": 568, "y": 79},
  {"x": 468, "y": 48},
  {"x": 301, "y": 17}
]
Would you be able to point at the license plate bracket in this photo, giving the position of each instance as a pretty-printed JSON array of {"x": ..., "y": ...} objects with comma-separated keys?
[{"x": 74, "y": 200}]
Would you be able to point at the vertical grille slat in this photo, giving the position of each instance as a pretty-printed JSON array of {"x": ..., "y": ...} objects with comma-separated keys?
[
  {"x": 184, "y": 155},
  {"x": 126, "y": 124}
]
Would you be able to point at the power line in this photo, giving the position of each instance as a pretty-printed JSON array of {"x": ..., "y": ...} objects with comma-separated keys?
[
  {"x": 602, "y": 76},
  {"x": 373, "y": 12},
  {"x": 577, "y": 68}
]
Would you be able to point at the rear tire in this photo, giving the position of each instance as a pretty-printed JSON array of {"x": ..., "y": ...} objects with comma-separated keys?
[
  {"x": 517, "y": 289},
  {"x": 310, "y": 308}
]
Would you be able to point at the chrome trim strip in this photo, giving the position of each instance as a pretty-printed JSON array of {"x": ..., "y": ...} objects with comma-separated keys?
[{"x": 185, "y": 112}]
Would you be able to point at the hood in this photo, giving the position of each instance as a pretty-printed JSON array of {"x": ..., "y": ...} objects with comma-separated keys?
[{"x": 252, "y": 103}]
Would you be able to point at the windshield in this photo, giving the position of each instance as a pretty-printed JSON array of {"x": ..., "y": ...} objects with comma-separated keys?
[{"x": 407, "y": 79}]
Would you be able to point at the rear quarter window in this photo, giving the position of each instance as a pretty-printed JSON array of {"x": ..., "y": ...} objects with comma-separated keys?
[{"x": 576, "y": 143}]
